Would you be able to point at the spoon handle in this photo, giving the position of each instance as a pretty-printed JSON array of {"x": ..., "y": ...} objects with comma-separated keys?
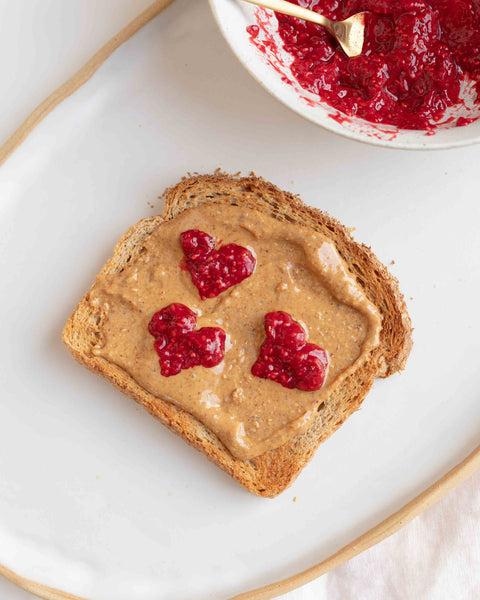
[{"x": 287, "y": 8}]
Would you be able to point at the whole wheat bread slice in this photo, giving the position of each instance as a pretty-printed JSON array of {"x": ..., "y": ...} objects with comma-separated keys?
[{"x": 273, "y": 471}]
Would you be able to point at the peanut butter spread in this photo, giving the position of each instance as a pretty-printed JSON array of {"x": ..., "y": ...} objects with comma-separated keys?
[{"x": 298, "y": 271}]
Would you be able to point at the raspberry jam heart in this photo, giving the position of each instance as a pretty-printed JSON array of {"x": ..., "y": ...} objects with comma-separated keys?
[
  {"x": 179, "y": 346},
  {"x": 286, "y": 357},
  {"x": 214, "y": 271}
]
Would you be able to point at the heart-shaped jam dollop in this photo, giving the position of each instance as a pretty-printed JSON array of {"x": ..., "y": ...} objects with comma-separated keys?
[
  {"x": 177, "y": 343},
  {"x": 214, "y": 271},
  {"x": 286, "y": 357}
]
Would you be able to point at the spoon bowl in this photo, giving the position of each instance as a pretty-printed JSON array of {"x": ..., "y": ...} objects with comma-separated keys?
[{"x": 350, "y": 33}]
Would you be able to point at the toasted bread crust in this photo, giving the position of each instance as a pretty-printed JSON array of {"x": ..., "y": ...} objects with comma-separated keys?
[{"x": 272, "y": 472}]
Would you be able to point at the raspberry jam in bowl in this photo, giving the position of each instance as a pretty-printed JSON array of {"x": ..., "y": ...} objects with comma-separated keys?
[{"x": 415, "y": 86}]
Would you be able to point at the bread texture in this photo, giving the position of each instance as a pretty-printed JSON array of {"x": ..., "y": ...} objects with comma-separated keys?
[{"x": 272, "y": 472}]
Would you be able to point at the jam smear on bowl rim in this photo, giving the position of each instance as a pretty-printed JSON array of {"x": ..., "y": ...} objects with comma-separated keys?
[
  {"x": 287, "y": 358},
  {"x": 417, "y": 54},
  {"x": 180, "y": 345},
  {"x": 214, "y": 270}
]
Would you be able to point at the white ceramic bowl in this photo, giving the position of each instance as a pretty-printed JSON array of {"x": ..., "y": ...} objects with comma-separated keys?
[{"x": 272, "y": 70}]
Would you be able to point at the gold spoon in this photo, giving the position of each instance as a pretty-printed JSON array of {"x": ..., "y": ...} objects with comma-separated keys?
[{"x": 349, "y": 33}]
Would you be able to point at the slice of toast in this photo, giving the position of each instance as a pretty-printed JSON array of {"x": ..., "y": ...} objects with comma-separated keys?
[{"x": 272, "y": 472}]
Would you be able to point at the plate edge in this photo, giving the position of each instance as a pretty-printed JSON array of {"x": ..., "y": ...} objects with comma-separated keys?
[
  {"x": 370, "y": 538},
  {"x": 79, "y": 78},
  {"x": 376, "y": 534},
  {"x": 373, "y": 536}
]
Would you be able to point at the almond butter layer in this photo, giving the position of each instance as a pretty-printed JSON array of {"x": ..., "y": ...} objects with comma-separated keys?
[{"x": 298, "y": 271}]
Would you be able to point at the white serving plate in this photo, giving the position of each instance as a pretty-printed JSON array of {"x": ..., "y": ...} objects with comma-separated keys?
[
  {"x": 99, "y": 500},
  {"x": 272, "y": 70}
]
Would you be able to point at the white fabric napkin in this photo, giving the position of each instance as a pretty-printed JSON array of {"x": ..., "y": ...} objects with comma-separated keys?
[{"x": 435, "y": 557}]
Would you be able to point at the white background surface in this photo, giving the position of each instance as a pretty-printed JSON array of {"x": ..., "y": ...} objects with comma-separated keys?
[{"x": 44, "y": 46}]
